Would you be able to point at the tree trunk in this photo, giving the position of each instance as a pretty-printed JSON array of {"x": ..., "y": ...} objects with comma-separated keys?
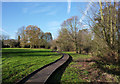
[
  {"x": 80, "y": 51},
  {"x": 102, "y": 19},
  {"x": 111, "y": 28},
  {"x": 118, "y": 59},
  {"x": 76, "y": 46}
]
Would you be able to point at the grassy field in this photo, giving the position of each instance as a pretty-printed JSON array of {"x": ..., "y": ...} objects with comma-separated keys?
[
  {"x": 82, "y": 69},
  {"x": 19, "y": 62},
  {"x": 70, "y": 73}
]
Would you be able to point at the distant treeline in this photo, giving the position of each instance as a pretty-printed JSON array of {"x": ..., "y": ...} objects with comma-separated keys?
[{"x": 28, "y": 37}]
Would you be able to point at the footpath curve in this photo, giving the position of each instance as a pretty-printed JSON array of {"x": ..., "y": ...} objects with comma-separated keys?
[{"x": 41, "y": 75}]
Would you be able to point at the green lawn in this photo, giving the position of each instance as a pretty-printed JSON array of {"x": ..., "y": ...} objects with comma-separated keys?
[{"x": 19, "y": 62}]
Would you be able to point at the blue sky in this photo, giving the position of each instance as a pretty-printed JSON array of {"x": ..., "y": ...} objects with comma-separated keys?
[{"x": 48, "y": 16}]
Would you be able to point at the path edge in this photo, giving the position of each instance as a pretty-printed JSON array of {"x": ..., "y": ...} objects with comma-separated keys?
[
  {"x": 24, "y": 79},
  {"x": 69, "y": 59}
]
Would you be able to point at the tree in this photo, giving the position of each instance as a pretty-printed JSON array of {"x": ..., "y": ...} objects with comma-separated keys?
[
  {"x": 104, "y": 25},
  {"x": 48, "y": 36},
  {"x": 34, "y": 37},
  {"x": 18, "y": 44},
  {"x": 3, "y": 38},
  {"x": 118, "y": 25},
  {"x": 72, "y": 38},
  {"x": 13, "y": 43},
  {"x": 72, "y": 28},
  {"x": 84, "y": 40},
  {"x": 53, "y": 44},
  {"x": 63, "y": 41},
  {"x": 22, "y": 34}
]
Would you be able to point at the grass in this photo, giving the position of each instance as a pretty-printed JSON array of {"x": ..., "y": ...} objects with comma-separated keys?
[
  {"x": 19, "y": 62},
  {"x": 69, "y": 73},
  {"x": 72, "y": 73},
  {"x": 112, "y": 70},
  {"x": 80, "y": 71}
]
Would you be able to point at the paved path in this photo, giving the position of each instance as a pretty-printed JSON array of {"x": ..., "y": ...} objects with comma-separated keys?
[{"x": 42, "y": 75}]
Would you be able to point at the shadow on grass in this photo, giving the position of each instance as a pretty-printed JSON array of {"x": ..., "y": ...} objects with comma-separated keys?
[
  {"x": 101, "y": 66},
  {"x": 107, "y": 70},
  {"x": 40, "y": 55},
  {"x": 55, "y": 78},
  {"x": 29, "y": 53},
  {"x": 25, "y": 52}
]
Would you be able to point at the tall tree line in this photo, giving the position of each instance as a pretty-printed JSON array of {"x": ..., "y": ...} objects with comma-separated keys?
[
  {"x": 105, "y": 25},
  {"x": 33, "y": 36},
  {"x": 103, "y": 36},
  {"x": 73, "y": 37}
]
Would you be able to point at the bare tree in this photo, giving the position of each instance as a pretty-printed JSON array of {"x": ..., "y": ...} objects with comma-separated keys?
[
  {"x": 22, "y": 34},
  {"x": 103, "y": 23},
  {"x": 72, "y": 26},
  {"x": 63, "y": 41},
  {"x": 48, "y": 36},
  {"x": 118, "y": 32},
  {"x": 84, "y": 40},
  {"x": 2, "y": 38}
]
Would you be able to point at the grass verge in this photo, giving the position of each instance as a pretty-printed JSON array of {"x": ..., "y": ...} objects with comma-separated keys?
[
  {"x": 84, "y": 69},
  {"x": 72, "y": 72}
]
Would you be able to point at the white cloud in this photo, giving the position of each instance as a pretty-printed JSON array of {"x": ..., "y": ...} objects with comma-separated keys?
[
  {"x": 85, "y": 12},
  {"x": 36, "y": 8},
  {"x": 52, "y": 13},
  {"x": 3, "y": 31},
  {"x": 30, "y": 7},
  {"x": 53, "y": 24},
  {"x": 25, "y": 10},
  {"x": 38, "y": 11},
  {"x": 69, "y": 6},
  {"x": 42, "y": 9}
]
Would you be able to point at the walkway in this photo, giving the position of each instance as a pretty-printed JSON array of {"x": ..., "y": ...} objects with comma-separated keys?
[{"x": 42, "y": 75}]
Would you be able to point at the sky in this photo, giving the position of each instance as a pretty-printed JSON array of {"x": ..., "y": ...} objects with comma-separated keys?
[{"x": 48, "y": 16}]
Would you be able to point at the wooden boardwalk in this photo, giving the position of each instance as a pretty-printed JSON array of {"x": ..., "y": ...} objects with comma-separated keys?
[{"x": 41, "y": 76}]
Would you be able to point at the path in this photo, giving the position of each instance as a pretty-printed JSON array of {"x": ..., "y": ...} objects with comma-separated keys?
[{"x": 42, "y": 75}]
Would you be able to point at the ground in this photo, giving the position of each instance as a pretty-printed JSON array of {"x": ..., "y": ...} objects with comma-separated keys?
[
  {"x": 18, "y": 63},
  {"x": 84, "y": 69}
]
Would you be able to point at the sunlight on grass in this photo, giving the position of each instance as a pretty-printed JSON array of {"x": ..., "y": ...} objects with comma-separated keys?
[
  {"x": 72, "y": 74},
  {"x": 18, "y": 63}
]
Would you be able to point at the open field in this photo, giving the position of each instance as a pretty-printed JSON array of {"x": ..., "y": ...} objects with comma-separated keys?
[{"x": 19, "y": 62}]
